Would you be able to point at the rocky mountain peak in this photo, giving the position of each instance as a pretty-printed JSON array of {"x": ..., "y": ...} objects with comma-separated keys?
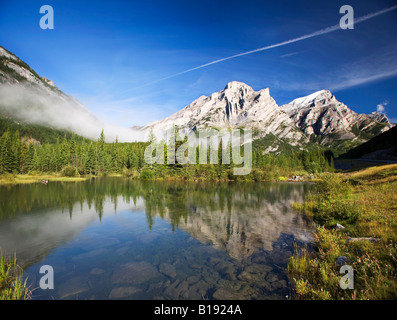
[
  {"x": 379, "y": 117},
  {"x": 317, "y": 99},
  {"x": 326, "y": 120},
  {"x": 240, "y": 89},
  {"x": 236, "y": 106},
  {"x": 237, "y": 85}
]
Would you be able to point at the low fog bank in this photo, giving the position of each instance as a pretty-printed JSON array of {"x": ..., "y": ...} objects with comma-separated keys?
[{"x": 57, "y": 110}]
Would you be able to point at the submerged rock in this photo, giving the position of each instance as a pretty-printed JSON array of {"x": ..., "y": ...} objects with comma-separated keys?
[
  {"x": 200, "y": 289},
  {"x": 73, "y": 287},
  {"x": 97, "y": 271},
  {"x": 134, "y": 273},
  {"x": 272, "y": 277},
  {"x": 123, "y": 292},
  {"x": 193, "y": 279},
  {"x": 226, "y": 294},
  {"x": 226, "y": 270},
  {"x": 91, "y": 254},
  {"x": 177, "y": 290},
  {"x": 122, "y": 251},
  {"x": 168, "y": 270}
]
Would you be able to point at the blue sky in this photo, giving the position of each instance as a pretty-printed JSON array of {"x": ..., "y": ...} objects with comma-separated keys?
[{"x": 111, "y": 54}]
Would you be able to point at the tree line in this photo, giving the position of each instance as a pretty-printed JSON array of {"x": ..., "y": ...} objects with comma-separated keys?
[{"x": 73, "y": 156}]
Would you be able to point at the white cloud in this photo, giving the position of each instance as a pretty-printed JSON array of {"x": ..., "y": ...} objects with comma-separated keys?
[{"x": 380, "y": 108}]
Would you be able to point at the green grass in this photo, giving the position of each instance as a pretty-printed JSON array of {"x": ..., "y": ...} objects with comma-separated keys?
[
  {"x": 365, "y": 203},
  {"x": 12, "y": 287},
  {"x": 10, "y": 179}
]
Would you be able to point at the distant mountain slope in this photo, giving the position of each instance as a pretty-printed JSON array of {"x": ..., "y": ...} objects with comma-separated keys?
[
  {"x": 27, "y": 97},
  {"x": 381, "y": 147},
  {"x": 317, "y": 119},
  {"x": 38, "y": 133},
  {"x": 331, "y": 123}
]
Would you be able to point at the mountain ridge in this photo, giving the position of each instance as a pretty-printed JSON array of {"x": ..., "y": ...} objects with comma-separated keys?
[
  {"x": 325, "y": 119},
  {"x": 236, "y": 106},
  {"x": 318, "y": 118}
]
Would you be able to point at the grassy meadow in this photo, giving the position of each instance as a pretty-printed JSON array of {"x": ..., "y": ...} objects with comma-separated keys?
[
  {"x": 9, "y": 179},
  {"x": 364, "y": 205}
]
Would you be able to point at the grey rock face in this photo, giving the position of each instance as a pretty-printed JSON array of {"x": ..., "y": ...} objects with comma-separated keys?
[
  {"x": 322, "y": 116},
  {"x": 318, "y": 117},
  {"x": 236, "y": 106}
]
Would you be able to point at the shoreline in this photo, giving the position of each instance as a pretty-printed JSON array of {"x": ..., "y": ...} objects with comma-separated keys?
[
  {"x": 10, "y": 179},
  {"x": 39, "y": 178}
]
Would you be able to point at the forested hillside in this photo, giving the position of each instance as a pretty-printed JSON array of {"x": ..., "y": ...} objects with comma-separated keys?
[
  {"x": 72, "y": 155},
  {"x": 41, "y": 134}
]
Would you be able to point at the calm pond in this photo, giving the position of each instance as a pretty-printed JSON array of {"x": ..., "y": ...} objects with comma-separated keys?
[{"x": 114, "y": 238}]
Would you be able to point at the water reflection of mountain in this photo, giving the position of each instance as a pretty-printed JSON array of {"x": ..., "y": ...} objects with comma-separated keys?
[
  {"x": 243, "y": 218},
  {"x": 238, "y": 218}
]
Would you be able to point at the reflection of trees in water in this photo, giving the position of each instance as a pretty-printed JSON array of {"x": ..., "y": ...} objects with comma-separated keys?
[
  {"x": 176, "y": 199},
  {"x": 235, "y": 217}
]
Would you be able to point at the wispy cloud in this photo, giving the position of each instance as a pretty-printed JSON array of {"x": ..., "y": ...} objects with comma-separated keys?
[
  {"x": 280, "y": 44},
  {"x": 378, "y": 66},
  {"x": 352, "y": 80},
  {"x": 290, "y": 54}
]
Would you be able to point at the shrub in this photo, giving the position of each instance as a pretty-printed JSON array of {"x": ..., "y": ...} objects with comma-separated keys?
[
  {"x": 129, "y": 173},
  {"x": 332, "y": 186},
  {"x": 69, "y": 171},
  {"x": 147, "y": 174},
  {"x": 257, "y": 174}
]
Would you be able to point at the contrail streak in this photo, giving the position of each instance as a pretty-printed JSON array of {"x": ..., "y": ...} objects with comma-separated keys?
[{"x": 308, "y": 36}]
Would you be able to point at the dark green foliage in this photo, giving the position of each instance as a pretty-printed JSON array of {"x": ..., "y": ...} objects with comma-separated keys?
[
  {"x": 72, "y": 155},
  {"x": 147, "y": 174},
  {"x": 36, "y": 132}
]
